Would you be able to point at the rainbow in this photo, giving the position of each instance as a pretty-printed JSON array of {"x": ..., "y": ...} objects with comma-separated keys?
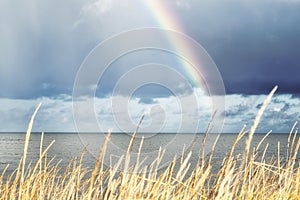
[
  {"x": 166, "y": 19},
  {"x": 204, "y": 74}
]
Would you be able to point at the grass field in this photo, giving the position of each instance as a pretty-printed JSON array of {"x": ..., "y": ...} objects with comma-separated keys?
[{"x": 246, "y": 176}]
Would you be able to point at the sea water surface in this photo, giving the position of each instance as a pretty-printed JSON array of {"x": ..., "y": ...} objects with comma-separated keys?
[{"x": 71, "y": 145}]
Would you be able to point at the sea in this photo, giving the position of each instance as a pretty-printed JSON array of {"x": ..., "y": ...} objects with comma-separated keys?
[{"x": 145, "y": 147}]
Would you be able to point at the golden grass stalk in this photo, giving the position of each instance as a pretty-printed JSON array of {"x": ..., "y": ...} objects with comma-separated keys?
[
  {"x": 27, "y": 141},
  {"x": 256, "y": 122}
]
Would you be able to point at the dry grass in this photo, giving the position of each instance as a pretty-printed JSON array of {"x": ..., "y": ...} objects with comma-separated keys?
[{"x": 247, "y": 176}]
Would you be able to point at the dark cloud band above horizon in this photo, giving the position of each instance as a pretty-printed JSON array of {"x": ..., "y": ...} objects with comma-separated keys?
[{"x": 255, "y": 45}]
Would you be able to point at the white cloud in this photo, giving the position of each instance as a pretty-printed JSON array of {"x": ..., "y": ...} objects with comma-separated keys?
[
  {"x": 164, "y": 115},
  {"x": 98, "y": 7},
  {"x": 183, "y": 4},
  {"x": 54, "y": 115},
  {"x": 113, "y": 15},
  {"x": 279, "y": 116}
]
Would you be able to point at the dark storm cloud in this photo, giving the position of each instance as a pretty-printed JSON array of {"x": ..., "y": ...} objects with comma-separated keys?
[
  {"x": 39, "y": 53},
  {"x": 44, "y": 43},
  {"x": 255, "y": 44}
]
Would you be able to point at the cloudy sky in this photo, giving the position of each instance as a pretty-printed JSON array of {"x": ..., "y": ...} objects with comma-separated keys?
[{"x": 254, "y": 44}]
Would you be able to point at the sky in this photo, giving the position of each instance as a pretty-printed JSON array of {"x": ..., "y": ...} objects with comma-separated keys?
[{"x": 44, "y": 45}]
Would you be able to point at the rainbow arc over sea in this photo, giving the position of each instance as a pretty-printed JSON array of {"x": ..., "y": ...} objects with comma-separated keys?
[
  {"x": 166, "y": 18},
  {"x": 203, "y": 72}
]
